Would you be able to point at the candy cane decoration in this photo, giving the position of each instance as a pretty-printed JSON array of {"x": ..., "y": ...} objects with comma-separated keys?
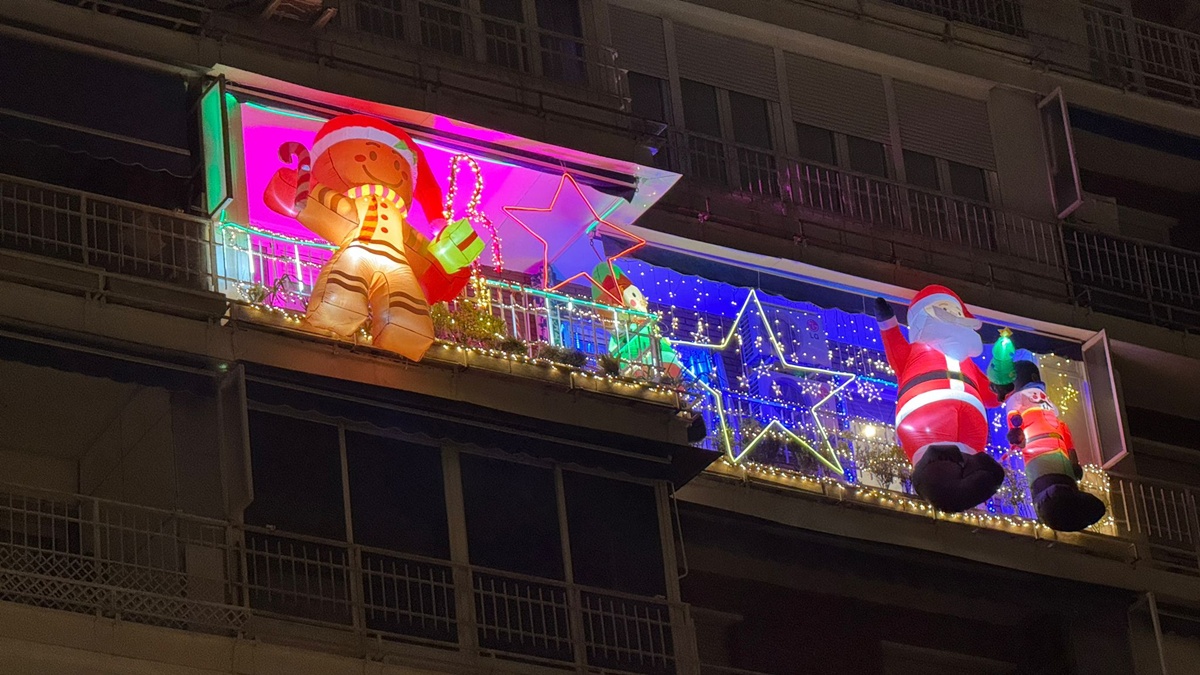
[
  {"x": 473, "y": 213},
  {"x": 287, "y": 152}
]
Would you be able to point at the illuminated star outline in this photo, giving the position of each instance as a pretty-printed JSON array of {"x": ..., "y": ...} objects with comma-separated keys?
[
  {"x": 752, "y": 298},
  {"x": 594, "y": 224}
]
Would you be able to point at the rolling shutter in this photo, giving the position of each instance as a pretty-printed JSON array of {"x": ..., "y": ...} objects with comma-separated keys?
[
  {"x": 837, "y": 98},
  {"x": 944, "y": 125},
  {"x": 726, "y": 62},
  {"x": 638, "y": 39}
]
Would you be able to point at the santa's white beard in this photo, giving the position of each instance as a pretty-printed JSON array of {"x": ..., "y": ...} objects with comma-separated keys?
[{"x": 958, "y": 342}]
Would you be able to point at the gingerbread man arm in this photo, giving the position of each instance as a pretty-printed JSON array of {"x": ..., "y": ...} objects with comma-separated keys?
[{"x": 328, "y": 213}]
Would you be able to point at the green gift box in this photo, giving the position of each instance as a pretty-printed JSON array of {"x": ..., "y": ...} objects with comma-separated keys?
[{"x": 457, "y": 246}]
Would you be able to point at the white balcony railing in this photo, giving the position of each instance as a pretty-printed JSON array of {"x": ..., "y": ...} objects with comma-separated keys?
[{"x": 83, "y": 554}]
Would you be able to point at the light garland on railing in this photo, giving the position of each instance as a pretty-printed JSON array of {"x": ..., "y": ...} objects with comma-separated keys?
[{"x": 1095, "y": 478}]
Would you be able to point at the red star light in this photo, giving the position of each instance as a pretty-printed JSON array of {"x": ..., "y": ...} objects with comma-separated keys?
[{"x": 561, "y": 231}]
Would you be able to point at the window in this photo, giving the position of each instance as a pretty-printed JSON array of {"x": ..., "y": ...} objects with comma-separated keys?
[
  {"x": 296, "y": 466},
  {"x": 700, "y": 108},
  {"x": 614, "y": 531},
  {"x": 512, "y": 516},
  {"x": 397, "y": 495},
  {"x": 751, "y": 121},
  {"x": 867, "y": 156},
  {"x": 968, "y": 181},
  {"x": 649, "y": 97},
  {"x": 816, "y": 144},
  {"x": 503, "y": 9},
  {"x": 297, "y": 471},
  {"x": 398, "y": 503},
  {"x": 921, "y": 170},
  {"x": 561, "y": 47}
]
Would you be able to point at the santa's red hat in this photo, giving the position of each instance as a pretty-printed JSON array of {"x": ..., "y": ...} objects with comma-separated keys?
[
  {"x": 934, "y": 294},
  {"x": 426, "y": 191}
]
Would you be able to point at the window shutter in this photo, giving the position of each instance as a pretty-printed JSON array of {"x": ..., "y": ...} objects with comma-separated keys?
[
  {"x": 726, "y": 62},
  {"x": 944, "y": 125},
  {"x": 638, "y": 39},
  {"x": 838, "y": 98}
]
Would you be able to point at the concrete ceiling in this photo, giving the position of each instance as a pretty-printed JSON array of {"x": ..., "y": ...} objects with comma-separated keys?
[
  {"x": 50, "y": 412},
  {"x": 1157, "y": 380}
]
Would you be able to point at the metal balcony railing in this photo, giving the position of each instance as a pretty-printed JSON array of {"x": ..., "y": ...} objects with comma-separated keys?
[
  {"x": 1161, "y": 517},
  {"x": 440, "y": 26},
  {"x": 1143, "y": 56},
  {"x": 82, "y": 554},
  {"x": 178, "y": 15},
  {"x": 523, "y": 47},
  {"x": 825, "y": 191},
  {"x": 1086, "y": 39},
  {"x": 119, "y": 236},
  {"x": 1149, "y": 282},
  {"x": 1003, "y": 16}
]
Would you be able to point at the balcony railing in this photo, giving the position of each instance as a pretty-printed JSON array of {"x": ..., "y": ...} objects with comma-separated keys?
[
  {"x": 118, "y": 236},
  {"x": 1085, "y": 39},
  {"x": 1143, "y": 56},
  {"x": 444, "y": 27},
  {"x": 448, "y": 28},
  {"x": 180, "y": 15},
  {"x": 1126, "y": 277},
  {"x": 822, "y": 191},
  {"x": 83, "y": 554},
  {"x": 1161, "y": 517}
]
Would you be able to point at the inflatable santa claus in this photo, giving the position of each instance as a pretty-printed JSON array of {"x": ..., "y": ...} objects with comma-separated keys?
[
  {"x": 1051, "y": 464},
  {"x": 355, "y": 190},
  {"x": 943, "y": 396}
]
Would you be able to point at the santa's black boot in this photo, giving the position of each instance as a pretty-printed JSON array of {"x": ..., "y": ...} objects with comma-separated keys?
[
  {"x": 954, "y": 481},
  {"x": 939, "y": 478},
  {"x": 1062, "y": 506}
]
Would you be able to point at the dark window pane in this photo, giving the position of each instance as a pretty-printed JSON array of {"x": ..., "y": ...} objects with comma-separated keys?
[
  {"x": 816, "y": 144},
  {"x": 700, "y": 108},
  {"x": 968, "y": 181},
  {"x": 867, "y": 156},
  {"x": 649, "y": 97},
  {"x": 614, "y": 534},
  {"x": 297, "y": 471},
  {"x": 560, "y": 16},
  {"x": 512, "y": 516},
  {"x": 504, "y": 9},
  {"x": 397, "y": 497},
  {"x": 921, "y": 170},
  {"x": 751, "y": 121}
]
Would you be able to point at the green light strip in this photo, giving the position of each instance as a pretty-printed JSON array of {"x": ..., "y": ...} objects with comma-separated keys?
[
  {"x": 277, "y": 237},
  {"x": 567, "y": 298}
]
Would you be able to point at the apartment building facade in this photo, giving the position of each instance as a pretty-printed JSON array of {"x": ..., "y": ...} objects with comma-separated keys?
[{"x": 700, "y": 474}]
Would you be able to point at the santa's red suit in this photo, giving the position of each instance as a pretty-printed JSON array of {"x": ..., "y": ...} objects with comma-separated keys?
[{"x": 940, "y": 399}]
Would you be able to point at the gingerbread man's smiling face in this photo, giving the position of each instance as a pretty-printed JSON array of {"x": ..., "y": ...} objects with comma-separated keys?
[{"x": 356, "y": 162}]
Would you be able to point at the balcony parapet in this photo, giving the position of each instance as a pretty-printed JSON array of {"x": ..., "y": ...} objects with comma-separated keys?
[
  {"x": 78, "y": 553},
  {"x": 848, "y": 211},
  {"x": 1080, "y": 39},
  {"x": 421, "y": 32}
]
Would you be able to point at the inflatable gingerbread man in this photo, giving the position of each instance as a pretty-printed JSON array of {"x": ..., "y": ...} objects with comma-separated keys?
[
  {"x": 941, "y": 404},
  {"x": 355, "y": 189}
]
